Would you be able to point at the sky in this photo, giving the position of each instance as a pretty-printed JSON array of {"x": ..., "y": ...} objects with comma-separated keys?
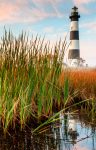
[{"x": 51, "y": 18}]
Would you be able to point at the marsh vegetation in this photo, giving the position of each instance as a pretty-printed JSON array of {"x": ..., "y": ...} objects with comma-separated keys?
[{"x": 35, "y": 86}]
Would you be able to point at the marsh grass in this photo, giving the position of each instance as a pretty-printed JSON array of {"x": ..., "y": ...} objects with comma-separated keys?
[
  {"x": 34, "y": 82},
  {"x": 29, "y": 78}
]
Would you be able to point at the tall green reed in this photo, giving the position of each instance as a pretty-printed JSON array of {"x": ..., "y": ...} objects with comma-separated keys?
[{"x": 29, "y": 78}]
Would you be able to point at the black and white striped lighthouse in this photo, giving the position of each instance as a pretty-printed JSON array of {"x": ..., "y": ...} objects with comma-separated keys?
[{"x": 74, "y": 51}]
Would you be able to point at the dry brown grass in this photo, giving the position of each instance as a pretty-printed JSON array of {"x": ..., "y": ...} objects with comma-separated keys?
[{"x": 83, "y": 81}]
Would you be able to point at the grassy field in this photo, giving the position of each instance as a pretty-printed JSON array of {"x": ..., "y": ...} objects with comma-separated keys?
[
  {"x": 34, "y": 83},
  {"x": 81, "y": 80}
]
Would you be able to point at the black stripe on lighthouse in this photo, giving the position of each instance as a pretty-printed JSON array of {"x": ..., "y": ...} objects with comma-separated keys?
[
  {"x": 74, "y": 19},
  {"x": 73, "y": 54},
  {"x": 74, "y": 35}
]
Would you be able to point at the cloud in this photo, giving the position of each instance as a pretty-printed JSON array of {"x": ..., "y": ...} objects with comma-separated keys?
[
  {"x": 82, "y": 4},
  {"x": 89, "y": 26},
  {"x": 45, "y": 3},
  {"x": 6, "y": 11},
  {"x": 27, "y": 11}
]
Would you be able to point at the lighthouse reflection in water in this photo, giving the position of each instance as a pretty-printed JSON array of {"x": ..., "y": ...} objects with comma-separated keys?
[
  {"x": 66, "y": 132},
  {"x": 70, "y": 134}
]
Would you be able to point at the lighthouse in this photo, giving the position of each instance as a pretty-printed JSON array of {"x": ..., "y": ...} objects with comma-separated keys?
[{"x": 74, "y": 50}]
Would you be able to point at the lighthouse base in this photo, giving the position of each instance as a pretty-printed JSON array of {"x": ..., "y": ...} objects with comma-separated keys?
[{"x": 74, "y": 63}]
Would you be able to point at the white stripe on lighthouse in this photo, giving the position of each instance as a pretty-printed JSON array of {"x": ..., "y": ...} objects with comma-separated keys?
[
  {"x": 74, "y": 44},
  {"x": 74, "y": 26}
]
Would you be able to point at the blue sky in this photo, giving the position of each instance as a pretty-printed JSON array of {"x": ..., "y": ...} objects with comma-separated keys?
[{"x": 51, "y": 18}]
